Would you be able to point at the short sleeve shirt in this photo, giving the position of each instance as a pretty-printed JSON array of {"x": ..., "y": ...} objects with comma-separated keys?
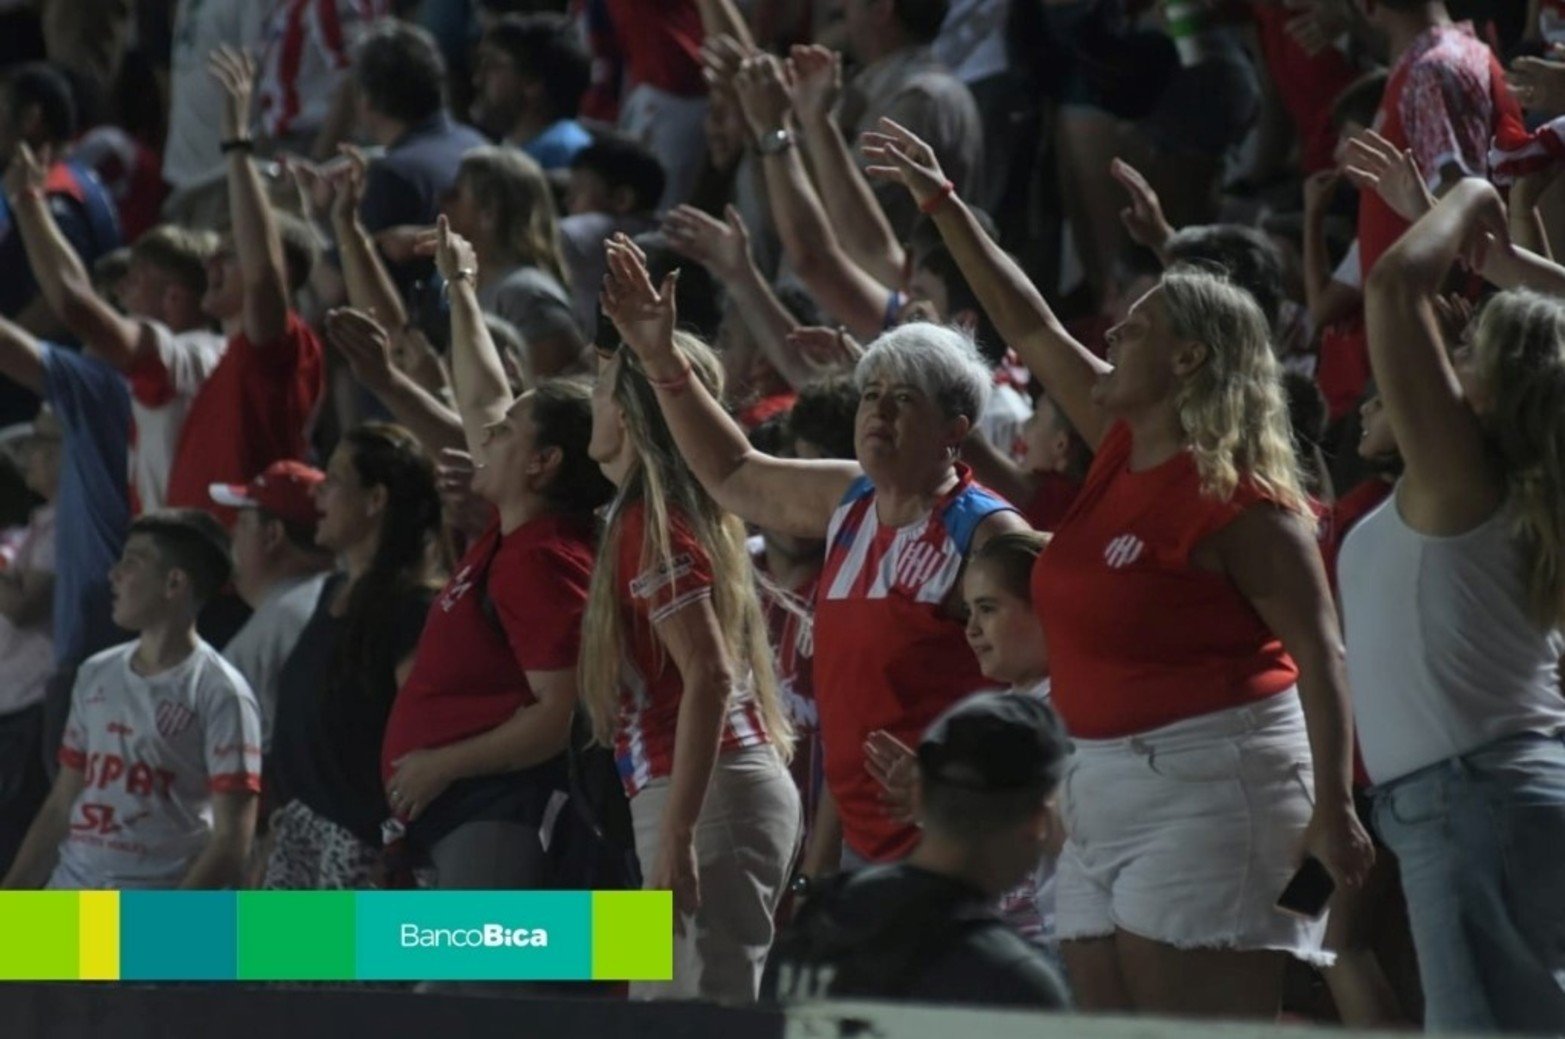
[{"x": 152, "y": 751}]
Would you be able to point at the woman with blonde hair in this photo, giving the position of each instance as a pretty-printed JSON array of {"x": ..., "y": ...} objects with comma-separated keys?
[
  {"x": 503, "y": 205},
  {"x": 677, "y": 677},
  {"x": 1453, "y": 591},
  {"x": 1192, "y": 639}
]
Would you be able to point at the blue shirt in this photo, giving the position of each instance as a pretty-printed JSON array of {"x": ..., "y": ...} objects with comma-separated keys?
[
  {"x": 92, "y": 402},
  {"x": 556, "y": 148}
]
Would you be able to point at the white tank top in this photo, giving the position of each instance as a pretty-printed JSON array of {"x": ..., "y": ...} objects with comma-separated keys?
[{"x": 1443, "y": 657}]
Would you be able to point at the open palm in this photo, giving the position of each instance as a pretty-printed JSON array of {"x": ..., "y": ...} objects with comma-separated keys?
[{"x": 643, "y": 315}]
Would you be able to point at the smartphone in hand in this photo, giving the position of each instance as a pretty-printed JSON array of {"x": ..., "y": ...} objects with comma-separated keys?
[{"x": 1308, "y": 893}]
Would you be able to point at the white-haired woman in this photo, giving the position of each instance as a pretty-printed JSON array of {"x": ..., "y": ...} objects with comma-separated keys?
[
  {"x": 1453, "y": 592},
  {"x": 890, "y": 648},
  {"x": 1187, "y": 615}
]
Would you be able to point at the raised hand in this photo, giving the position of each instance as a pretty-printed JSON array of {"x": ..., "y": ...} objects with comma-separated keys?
[
  {"x": 364, "y": 344},
  {"x": 900, "y": 156},
  {"x": 348, "y": 185},
  {"x": 817, "y": 81},
  {"x": 1375, "y": 164},
  {"x": 832, "y": 347},
  {"x": 27, "y": 170},
  {"x": 764, "y": 94},
  {"x": 643, "y": 315},
  {"x": 1539, "y": 85},
  {"x": 401, "y": 243},
  {"x": 1143, "y": 218},
  {"x": 893, "y": 765},
  {"x": 722, "y": 247},
  {"x": 454, "y": 255},
  {"x": 721, "y": 58},
  {"x": 234, "y": 70},
  {"x": 465, "y": 511},
  {"x": 1318, "y": 24}
]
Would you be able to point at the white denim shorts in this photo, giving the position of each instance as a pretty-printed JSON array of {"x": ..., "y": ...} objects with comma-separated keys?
[{"x": 1187, "y": 834}]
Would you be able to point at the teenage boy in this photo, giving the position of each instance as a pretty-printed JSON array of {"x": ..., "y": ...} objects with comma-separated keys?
[{"x": 161, "y": 760}]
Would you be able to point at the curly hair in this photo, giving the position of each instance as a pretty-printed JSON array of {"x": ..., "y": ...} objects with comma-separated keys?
[{"x": 1232, "y": 408}]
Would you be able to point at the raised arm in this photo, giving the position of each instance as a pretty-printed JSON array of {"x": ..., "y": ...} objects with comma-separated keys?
[
  {"x": 723, "y": 247},
  {"x": 257, "y": 245},
  {"x": 1327, "y": 298},
  {"x": 1450, "y": 484},
  {"x": 21, "y": 357},
  {"x": 789, "y": 496},
  {"x": 723, "y": 18},
  {"x": 61, "y": 276},
  {"x": 369, "y": 283},
  {"x": 816, "y": 255},
  {"x": 854, "y": 211},
  {"x": 367, "y": 347},
  {"x": 1025, "y": 322},
  {"x": 483, "y": 396},
  {"x": 1143, "y": 218}
]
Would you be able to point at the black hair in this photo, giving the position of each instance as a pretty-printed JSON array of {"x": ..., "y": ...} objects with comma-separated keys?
[
  {"x": 959, "y": 297},
  {"x": 562, "y": 417},
  {"x": 1242, "y": 254},
  {"x": 921, "y": 18},
  {"x": 47, "y": 87},
  {"x": 975, "y": 814},
  {"x": 696, "y": 296},
  {"x": 190, "y": 541},
  {"x": 771, "y": 437},
  {"x": 544, "y": 47},
  {"x": 824, "y": 415},
  {"x": 388, "y": 456},
  {"x": 401, "y": 72},
  {"x": 1360, "y": 100},
  {"x": 624, "y": 163},
  {"x": 802, "y": 306}
]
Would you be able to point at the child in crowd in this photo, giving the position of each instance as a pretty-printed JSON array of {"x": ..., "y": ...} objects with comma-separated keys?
[{"x": 161, "y": 761}]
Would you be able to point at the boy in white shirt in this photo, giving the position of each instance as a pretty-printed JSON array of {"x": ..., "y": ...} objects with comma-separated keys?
[{"x": 160, "y": 764}]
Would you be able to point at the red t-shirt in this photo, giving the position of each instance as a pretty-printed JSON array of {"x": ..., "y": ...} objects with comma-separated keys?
[
  {"x": 1051, "y": 501},
  {"x": 1138, "y": 637},
  {"x": 650, "y": 590},
  {"x": 254, "y": 409},
  {"x": 661, "y": 40},
  {"x": 1307, "y": 84},
  {"x": 470, "y": 670},
  {"x": 1444, "y": 100}
]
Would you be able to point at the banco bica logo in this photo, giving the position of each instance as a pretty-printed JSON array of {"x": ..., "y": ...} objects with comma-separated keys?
[{"x": 489, "y": 936}]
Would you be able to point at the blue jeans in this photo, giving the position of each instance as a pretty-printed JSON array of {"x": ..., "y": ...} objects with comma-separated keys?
[{"x": 1481, "y": 843}]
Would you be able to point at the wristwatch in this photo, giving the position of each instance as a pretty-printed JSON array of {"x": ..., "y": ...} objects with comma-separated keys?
[{"x": 774, "y": 142}]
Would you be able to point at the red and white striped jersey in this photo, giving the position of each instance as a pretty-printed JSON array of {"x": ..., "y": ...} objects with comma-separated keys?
[
  {"x": 306, "y": 52},
  {"x": 651, "y": 590},
  {"x": 887, "y": 655}
]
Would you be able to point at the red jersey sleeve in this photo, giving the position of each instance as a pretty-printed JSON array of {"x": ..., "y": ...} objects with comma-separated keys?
[
  {"x": 658, "y": 588},
  {"x": 540, "y": 593}
]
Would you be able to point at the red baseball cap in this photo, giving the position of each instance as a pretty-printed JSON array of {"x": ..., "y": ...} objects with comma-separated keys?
[{"x": 286, "y": 489}]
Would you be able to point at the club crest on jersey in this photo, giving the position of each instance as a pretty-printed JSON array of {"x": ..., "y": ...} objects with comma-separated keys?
[
  {"x": 1122, "y": 551},
  {"x": 173, "y": 718}
]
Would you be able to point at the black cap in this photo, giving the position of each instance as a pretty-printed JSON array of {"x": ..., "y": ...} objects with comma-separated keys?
[{"x": 995, "y": 741}]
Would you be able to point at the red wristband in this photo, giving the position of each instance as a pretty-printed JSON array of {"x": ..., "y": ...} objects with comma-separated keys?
[
  {"x": 673, "y": 385},
  {"x": 935, "y": 201}
]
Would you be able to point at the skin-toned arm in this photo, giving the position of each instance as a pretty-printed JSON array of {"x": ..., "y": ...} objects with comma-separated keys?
[
  {"x": 1270, "y": 555},
  {"x": 696, "y": 645},
  {"x": 21, "y": 357},
  {"x": 794, "y": 497},
  {"x": 1143, "y": 218},
  {"x": 724, "y": 249},
  {"x": 722, "y": 18},
  {"x": 369, "y": 284},
  {"x": 483, "y": 396},
  {"x": 851, "y": 207},
  {"x": 1067, "y": 369},
  {"x": 257, "y": 244},
  {"x": 61, "y": 276},
  {"x": 367, "y": 347},
  {"x": 1449, "y": 484},
  {"x": 40, "y": 850},
  {"x": 844, "y": 289},
  {"x": 1327, "y": 298},
  {"x": 823, "y": 854},
  {"x": 221, "y": 863},
  {"x": 531, "y": 736},
  {"x": 1527, "y": 227}
]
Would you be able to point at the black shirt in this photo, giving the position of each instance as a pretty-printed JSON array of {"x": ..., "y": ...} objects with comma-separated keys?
[
  {"x": 903, "y": 932},
  {"x": 327, "y": 736}
]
